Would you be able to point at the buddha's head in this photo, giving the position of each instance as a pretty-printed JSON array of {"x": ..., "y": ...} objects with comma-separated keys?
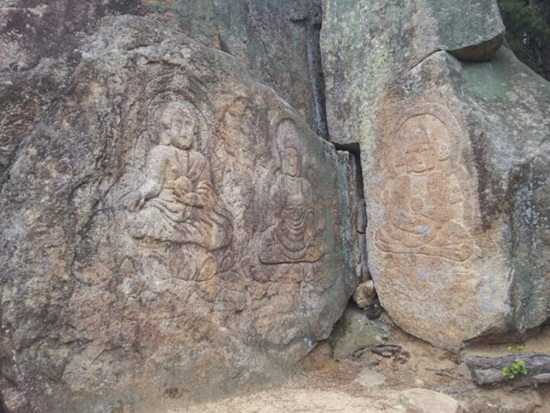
[
  {"x": 291, "y": 161},
  {"x": 178, "y": 126},
  {"x": 420, "y": 157},
  {"x": 287, "y": 142},
  {"x": 418, "y": 147}
]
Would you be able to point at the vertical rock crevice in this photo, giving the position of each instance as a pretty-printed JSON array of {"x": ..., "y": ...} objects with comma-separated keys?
[
  {"x": 361, "y": 217},
  {"x": 311, "y": 16}
]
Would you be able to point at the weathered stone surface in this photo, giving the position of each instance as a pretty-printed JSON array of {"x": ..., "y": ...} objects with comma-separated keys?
[
  {"x": 34, "y": 30},
  {"x": 450, "y": 207},
  {"x": 276, "y": 40},
  {"x": 354, "y": 332},
  {"x": 170, "y": 229},
  {"x": 428, "y": 401},
  {"x": 455, "y": 158},
  {"x": 367, "y": 44},
  {"x": 370, "y": 378},
  {"x": 529, "y": 402}
]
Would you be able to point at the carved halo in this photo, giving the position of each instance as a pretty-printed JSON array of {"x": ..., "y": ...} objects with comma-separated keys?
[
  {"x": 421, "y": 120},
  {"x": 449, "y": 146}
]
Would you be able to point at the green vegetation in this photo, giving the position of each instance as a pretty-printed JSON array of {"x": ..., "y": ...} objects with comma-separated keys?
[
  {"x": 518, "y": 367},
  {"x": 523, "y": 25}
]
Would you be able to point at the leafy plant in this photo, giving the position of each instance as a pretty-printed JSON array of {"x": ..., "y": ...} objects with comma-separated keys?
[{"x": 518, "y": 367}]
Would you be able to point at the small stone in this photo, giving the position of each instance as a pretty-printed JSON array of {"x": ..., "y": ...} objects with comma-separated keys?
[
  {"x": 374, "y": 311},
  {"x": 419, "y": 382},
  {"x": 364, "y": 294},
  {"x": 463, "y": 370},
  {"x": 370, "y": 378},
  {"x": 428, "y": 401}
]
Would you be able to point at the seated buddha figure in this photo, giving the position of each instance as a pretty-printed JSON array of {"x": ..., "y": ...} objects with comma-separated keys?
[
  {"x": 292, "y": 234},
  {"x": 177, "y": 201},
  {"x": 418, "y": 203}
]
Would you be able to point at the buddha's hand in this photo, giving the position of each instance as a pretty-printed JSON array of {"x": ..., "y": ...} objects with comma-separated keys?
[
  {"x": 133, "y": 201},
  {"x": 192, "y": 199},
  {"x": 310, "y": 230},
  {"x": 183, "y": 185},
  {"x": 417, "y": 203}
]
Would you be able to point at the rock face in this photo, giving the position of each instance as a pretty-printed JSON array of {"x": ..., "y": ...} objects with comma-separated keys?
[
  {"x": 171, "y": 229},
  {"x": 369, "y": 44},
  {"x": 277, "y": 40},
  {"x": 453, "y": 155}
]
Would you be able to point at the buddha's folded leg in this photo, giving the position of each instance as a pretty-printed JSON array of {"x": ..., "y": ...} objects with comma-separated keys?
[
  {"x": 150, "y": 223},
  {"x": 452, "y": 242},
  {"x": 384, "y": 243}
]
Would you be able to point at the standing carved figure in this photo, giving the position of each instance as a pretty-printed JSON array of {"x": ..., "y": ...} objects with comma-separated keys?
[
  {"x": 292, "y": 235},
  {"x": 177, "y": 202}
]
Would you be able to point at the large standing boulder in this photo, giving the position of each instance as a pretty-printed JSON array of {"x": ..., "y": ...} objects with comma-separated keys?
[
  {"x": 455, "y": 157},
  {"x": 171, "y": 229}
]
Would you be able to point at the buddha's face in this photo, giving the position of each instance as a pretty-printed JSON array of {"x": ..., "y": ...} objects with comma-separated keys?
[
  {"x": 420, "y": 158},
  {"x": 180, "y": 129},
  {"x": 291, "y": 162}
]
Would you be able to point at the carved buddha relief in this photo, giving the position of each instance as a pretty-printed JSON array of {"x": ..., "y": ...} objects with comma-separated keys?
[
  {"x": 423, "y": 201},
  {"x": 292, "y": 235},
  {"x": 177, "y": 202}
]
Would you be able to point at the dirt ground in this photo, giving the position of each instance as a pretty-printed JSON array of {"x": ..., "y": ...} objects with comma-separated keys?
[{"x": 373, "y": 381}]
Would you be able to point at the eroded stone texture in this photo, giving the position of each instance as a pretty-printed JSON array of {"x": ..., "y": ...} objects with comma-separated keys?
[
  {"x": 171, "y": 230},
  {"x": 276, "y": 40},
  {"x": 453, "y": 155},
  {"x": 382, "y": 40}
]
